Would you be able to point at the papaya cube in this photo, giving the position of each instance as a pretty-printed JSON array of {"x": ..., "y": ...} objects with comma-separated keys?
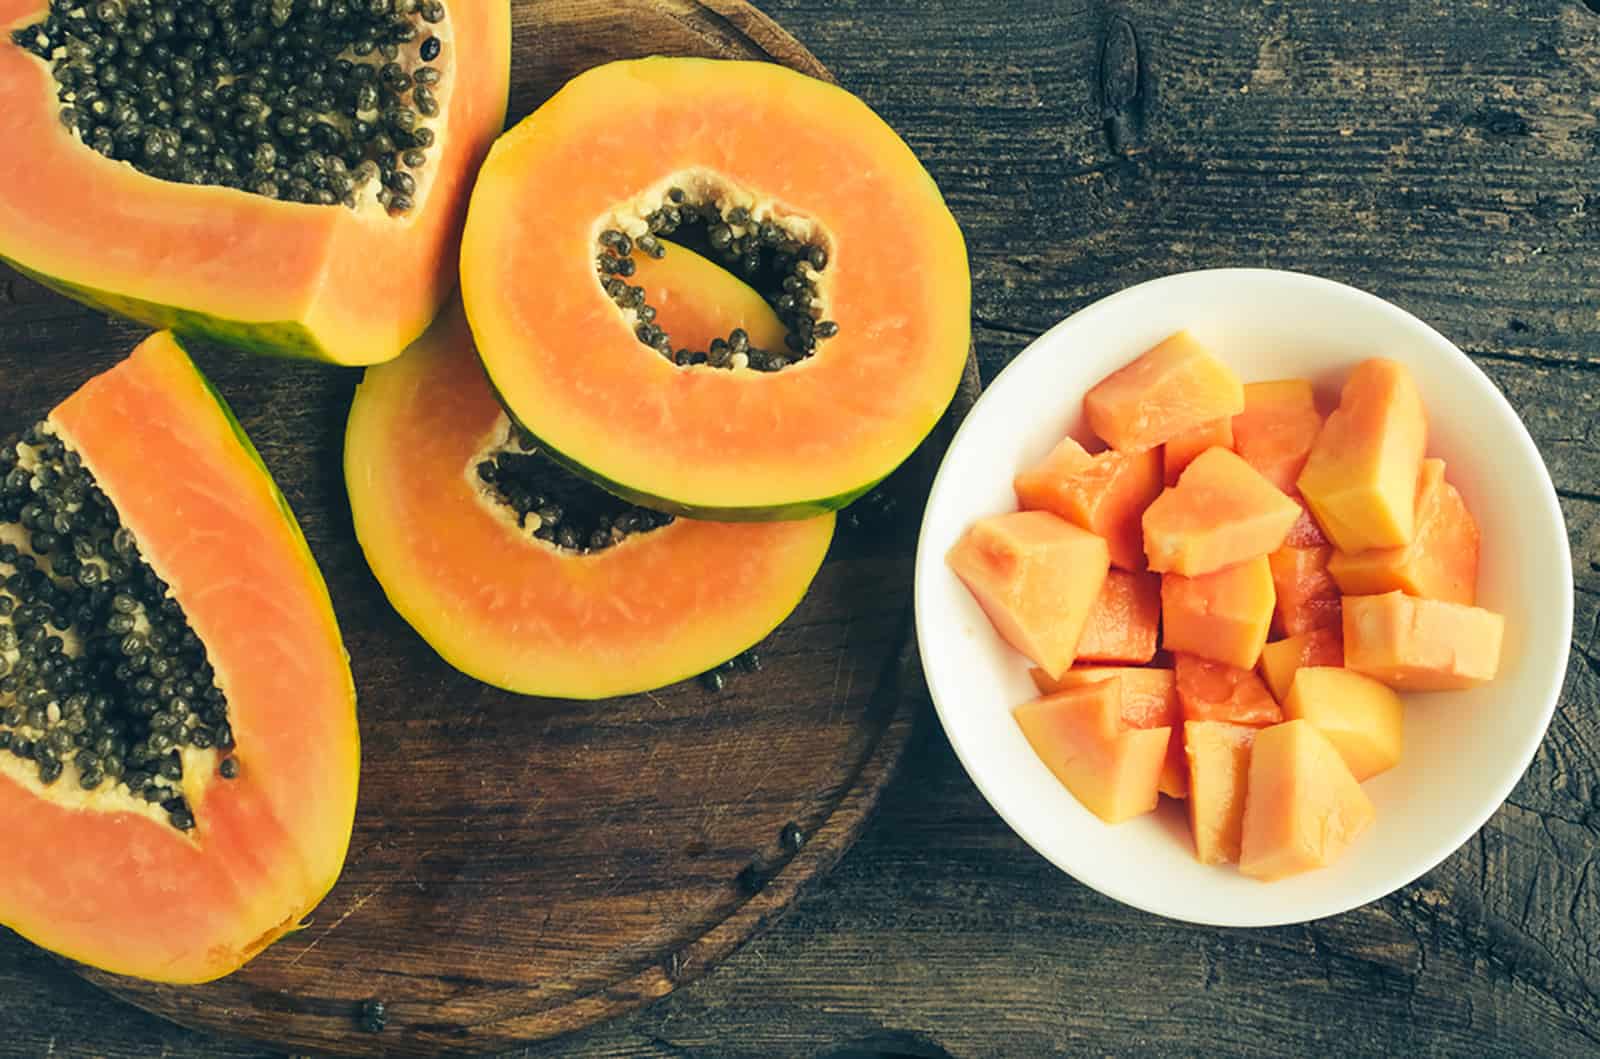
[
  {"x": 1441, "y": 562},
  {"x": 1180, "y": 451},
  {"x": 1362, "y": 718},
  {"x": 1361, "y": 477},
  {"x": 1218, "y": 758},
  {"x": 1079, "y": 735},
  {"x": 1173, "y": 387},
  {"x": 1105, "y": 494},
  {"x": 1277, "y": 428},
  {"x": 1302, "y": 807},
  {"x": 1212, "y": 691},
  {"x": 1308, "y": 597},
  {"x": 1305, "y": 533},
  {"x": 1122, "y": 623},
  {"x": 1421, "y": 644},
  {"x": 1149, "y": 700},
  {"x": 1281, "y": 660},
  {"x": 1222, "y": 616},
  {"x": 1036, "y": 576},
  {"x": 1220, "y": 513}
]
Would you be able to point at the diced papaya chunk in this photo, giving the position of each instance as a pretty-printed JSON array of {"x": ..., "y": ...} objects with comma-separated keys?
[
  {"x": 1277, "y": 428},
  {"x": 1220, "y": 513},
  {"x": 1361, "y": 477},
  {"x": 1149, "y": 700},
  {"x": 1036, "y": 576},
  {"x": 1302, "y": 807},
  {"x": 1305, "y": 533},
  {"x": 1222, "y": 616},
  {"x": 1213, "y": 691},
  {"x": 1281, "y": 660},
  {"x": 1171, "y": 388},
  {"x": 1122, "y": 623},
  {"x": 1180, "y": 451},
  {"x": 1308, "y": 597},
  {"x": 1218, "y": 757},
  {"x": 1078, "y": 734},
  {"x": 1421, "y": 644},
  {"x": 1105, "y": 494},
  {"x": 1441, "y": 562},
  {"x": 1362, "y": 718}
]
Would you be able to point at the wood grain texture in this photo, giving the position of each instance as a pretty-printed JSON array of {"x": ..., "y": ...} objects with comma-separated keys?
[{"x": 1445, "y": 156}]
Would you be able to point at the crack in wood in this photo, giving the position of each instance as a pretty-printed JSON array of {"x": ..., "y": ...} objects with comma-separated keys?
[{"x": 1122, "y": 97}]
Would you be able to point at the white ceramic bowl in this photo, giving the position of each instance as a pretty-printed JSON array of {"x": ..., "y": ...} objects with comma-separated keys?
[{"x": 1464, "y": 751}]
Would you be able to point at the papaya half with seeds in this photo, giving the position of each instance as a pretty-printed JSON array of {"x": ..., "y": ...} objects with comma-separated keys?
[
  {"x": 178, "y": 746},
  {"x": 530, "y": 578},
  {"x": 796, "y": 185},
  {"x": 291, "y": 186}
]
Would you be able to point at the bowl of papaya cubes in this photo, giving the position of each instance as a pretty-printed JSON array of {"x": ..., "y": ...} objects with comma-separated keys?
[{"x": 1244, "y": 597}]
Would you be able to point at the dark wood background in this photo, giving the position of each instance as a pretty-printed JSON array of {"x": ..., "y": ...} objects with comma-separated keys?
[{"x": 1443, "y": 155}]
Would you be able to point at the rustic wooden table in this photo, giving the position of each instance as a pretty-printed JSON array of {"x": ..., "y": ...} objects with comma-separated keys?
[{"x": 1445, "y": 156}]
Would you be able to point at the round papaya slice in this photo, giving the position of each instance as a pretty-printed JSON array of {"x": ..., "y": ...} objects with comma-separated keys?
[
  {"x": 797, "y": 185},
  {"x": 178, "y": 744},
  {"x": 283, "y": 177},
  {"x": 527, "y": 577}
]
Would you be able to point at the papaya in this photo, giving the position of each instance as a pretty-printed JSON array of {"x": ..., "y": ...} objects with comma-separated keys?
[
  {"x": 1218, "y": 758},
  {"x": 323, "y": 224},
  {"x": 1214, "y": 691},
  {"x": 1277, "y": 428},
  {"x": 1220, "y": 513},
  {"x": 1106, "y": 494},
  {"x": 178, "y": 745},
  {"x": 1176, "y": 386},
  {"x": 532, "y": 579},
  {"x": 873, "y": 350},
  {"x": 1362, "y": 718},
  {"x": 1149, "y": 700},
  {"x": 1122, "y": 624},
  {"x": 1308, "y": 596},
  {"x": 1222, "y": 616},
  {"x": 1441, "y": 562},
  {"x": 1302, "y": 807},
  {"x": 1360, "y": 478},
  {"x": 1037, "y": 577},
  {"x": 1421, "y": 644},
  {"x": 1080, "y": 736},
  {"x": 1180, "y": 451},
  {"x": 1281, "y": 659}
]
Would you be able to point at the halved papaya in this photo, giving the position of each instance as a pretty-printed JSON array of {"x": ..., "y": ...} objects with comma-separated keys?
[
  {"x": 178, "y": 744},
  {"x": 321, "y": 224},
  {"x": 528, "y": 578},
  {"x": 873, "y": 349}
]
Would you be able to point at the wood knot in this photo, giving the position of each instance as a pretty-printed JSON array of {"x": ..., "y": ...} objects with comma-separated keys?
[{"x": 1122, "y": 95}]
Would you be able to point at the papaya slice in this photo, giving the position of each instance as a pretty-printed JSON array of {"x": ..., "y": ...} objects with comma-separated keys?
[
  {"x": 1218, "y": 758},
  {"x": 1149, "y": 700},
  {"x": 1277, "y": 428},
  {"x": 1220, "y": 513},
  {"x": 1081, "y": 737},
  {"x": 1281, "y": 659},
  {"x": 1106, "y": 494},
  {"x": 1302, "y": 808},
  {"x": 596, "y": 600},
  {"x": 1123, "y": 622},
  {"x": 239, "y": 235},
  {"x": 1180, "y": 451},
  {"x": 1441, "y": 562},
  {"x": 1421, "y": 644},
  {"x": 1222, "y": 616},
  {"x": 1308, "y": 596},
  {"x": 1174, "y": 387},
  {"x": 1213, "y": 691},
  {"x": 873, "y": 350},
  {"x": 184, "y": 780}
]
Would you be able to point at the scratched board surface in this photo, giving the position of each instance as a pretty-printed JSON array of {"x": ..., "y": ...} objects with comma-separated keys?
[{"x": 521, "y": 867}]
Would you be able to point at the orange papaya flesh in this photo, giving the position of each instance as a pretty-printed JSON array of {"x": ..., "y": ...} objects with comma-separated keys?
[
  {"x": 190, "y": 892},
  {"x": 1223, "y": 616},
  {"x": 1122, "y": 624},
  {"x": 745, "y": 444},
  {"x": 1149, "y": 700},
  {"x": 1421, "y": 644},
  {"x": 1362, "y": 718},
  {"x": 1308, "y": 597},
  {"x": 1441, "y": 562},
  {"x": 351, "y": 286},
  {"x": 1106, "y": 494},
  {"x": 520, "y": 612},
  {"x": 1281, "y": 659},
  {"x": 1212, "y": 691},
  {"x": 1220, "y": 513},
  {"x": 1360, "y": 479},
  {"x": 1303, "y": 808},
  {"x": 1175, "y": 386},
  {"x": 1079, "y": 735},
  {"x": 1036, "y": 577},
  {"x": 1277, "y": 428},
  {"x": 1217, "y": 755},
  {"x": 1178, "y": 452}
]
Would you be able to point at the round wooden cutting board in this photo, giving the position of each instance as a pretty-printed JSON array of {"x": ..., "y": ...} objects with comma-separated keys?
[{"x": 525, "y": 867}]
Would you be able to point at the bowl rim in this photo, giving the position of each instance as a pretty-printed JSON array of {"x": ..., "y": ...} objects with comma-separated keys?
[{"x": 1014, "y": 374}]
